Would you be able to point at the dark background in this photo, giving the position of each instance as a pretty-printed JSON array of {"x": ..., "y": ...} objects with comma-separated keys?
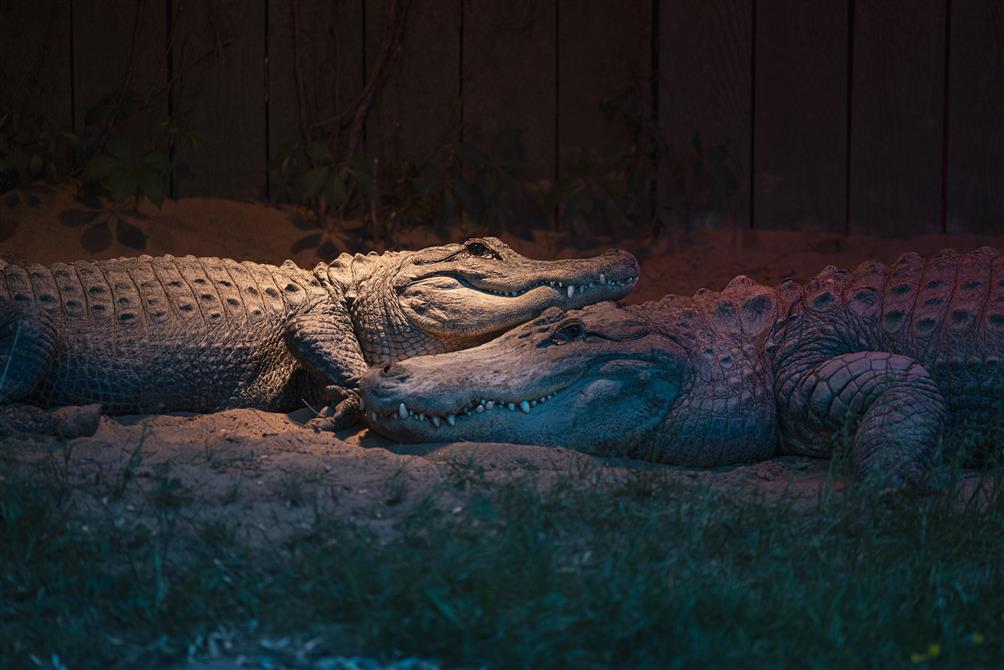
[{"x": 864, "y": 116}]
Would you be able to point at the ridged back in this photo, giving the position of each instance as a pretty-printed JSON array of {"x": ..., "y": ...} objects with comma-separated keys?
[
  {"x": 160, "y": 290},
  {"x": 950, "y": 305}
]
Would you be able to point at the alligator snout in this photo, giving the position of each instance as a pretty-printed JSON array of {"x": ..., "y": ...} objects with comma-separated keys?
[{"x": 394, "y": 372}]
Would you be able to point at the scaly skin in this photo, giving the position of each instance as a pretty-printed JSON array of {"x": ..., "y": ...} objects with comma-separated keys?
[
  {"x": 201, "y": 334},
  {"x": 891, "y": 361}
]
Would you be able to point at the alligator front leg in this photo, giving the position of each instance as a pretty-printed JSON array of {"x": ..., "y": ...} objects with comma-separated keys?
[
  {"x": 27, "y": 348},
  {"x": 324, "y": 343},
  {"x": 888, "y": 405}
]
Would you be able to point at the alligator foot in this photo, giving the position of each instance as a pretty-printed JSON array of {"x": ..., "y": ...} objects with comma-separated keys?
[
  {"x": 63, "y": 422},
  {"x": 344, "y": 409}
]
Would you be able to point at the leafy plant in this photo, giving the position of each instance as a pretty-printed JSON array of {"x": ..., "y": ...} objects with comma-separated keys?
[
  {"x": 481, "y": 187},
  {"x": 702, "y": 183},
  {"x": 125, "y": 175},
  {"x": 620, "y": 185},
  {"x": 32, "y": 149}
]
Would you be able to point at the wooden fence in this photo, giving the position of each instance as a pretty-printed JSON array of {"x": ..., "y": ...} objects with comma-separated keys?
[{"x": 865, "y": 116}]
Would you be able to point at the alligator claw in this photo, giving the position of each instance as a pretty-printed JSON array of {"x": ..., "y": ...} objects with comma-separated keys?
[{"x": 344, "y": 408}]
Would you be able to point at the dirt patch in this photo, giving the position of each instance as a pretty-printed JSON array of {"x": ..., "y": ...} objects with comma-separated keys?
[{"x": 269, "y": 476}]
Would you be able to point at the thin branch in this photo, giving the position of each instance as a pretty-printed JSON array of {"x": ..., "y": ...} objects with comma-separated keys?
[
  {"x": 130, "y": 72},
  {"x": 397, "y": 13},
  {"x": 29, "y": 82},
  {"x": 298, "y": 76},
  {"x": 185, "y": 68}
]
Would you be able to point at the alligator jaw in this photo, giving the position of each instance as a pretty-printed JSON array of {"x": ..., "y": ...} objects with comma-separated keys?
[
  {"x": 415, "y": 422},
  {"x": 442, "y": 304},
  {"x": 472, "y": 299}
]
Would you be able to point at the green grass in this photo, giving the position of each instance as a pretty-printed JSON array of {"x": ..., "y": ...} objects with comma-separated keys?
[{"x": 640, "y": 574}]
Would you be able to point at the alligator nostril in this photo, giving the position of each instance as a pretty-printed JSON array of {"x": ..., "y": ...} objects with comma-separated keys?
[{"x": 386, "y": 368}]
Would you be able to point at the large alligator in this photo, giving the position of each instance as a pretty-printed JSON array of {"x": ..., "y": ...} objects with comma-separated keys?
[
  {"x": 887, "y": 362},
  {"x": 200, "y": 334}
]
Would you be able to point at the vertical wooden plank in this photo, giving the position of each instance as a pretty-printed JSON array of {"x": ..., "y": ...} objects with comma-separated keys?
[
  {"x": 35, "y": 67},
  {"x": 897, "y": 116},
  {"x": 328, "y": 48},
  {"x": 509, "y": 76},
  {"x": 419, "y": 110},
  {"x": 104, "y": 34},
  {"x": 219, "y": 55},
  {"x": 706, "y": 87},
  {"x": 976, "y": 118},
  {"x": 604, "y": 52},
  {"x": 800, "y": 138}
]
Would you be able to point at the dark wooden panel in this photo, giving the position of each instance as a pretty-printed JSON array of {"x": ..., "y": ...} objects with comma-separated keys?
[
  {"x": 105, "y": 34},
  {"x": 976, "y": 118},
  {"x": 35, "y": 65},
  {"x": 219, "y": 50},
  {"x": 509, "y": 76},
  {"x": 801, "y": 115},
  {"x": 705, "y": 87},
  {"x": 328, "y": 51},
  {"x": 419, "y": 110},
  {"x": 604, "y": 52},
  {"x": 897, "y": 117}
]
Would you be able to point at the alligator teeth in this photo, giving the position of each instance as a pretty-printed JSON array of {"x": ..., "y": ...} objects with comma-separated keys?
[
  {"x": 525, "y": 406},
  {"x": 436, "y": 421},
  {"x": 571, "y": 290},
  {"x": 451, "y": 419},
  {"x": 511, "y": 406},
  {"x": 480, "y": 408},
  {"x": 603, "y": 278},
  {"x": 402, "y": 411},
  {"x": 490, "y": 404}
]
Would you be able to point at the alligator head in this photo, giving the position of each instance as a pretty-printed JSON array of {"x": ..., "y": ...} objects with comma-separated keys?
[
  {"x": 458, "y": 295},
  {"x": 605, "y": 379}
]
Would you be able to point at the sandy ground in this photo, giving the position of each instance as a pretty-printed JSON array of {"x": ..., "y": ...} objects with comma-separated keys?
[{"x": 274, "y": 475}]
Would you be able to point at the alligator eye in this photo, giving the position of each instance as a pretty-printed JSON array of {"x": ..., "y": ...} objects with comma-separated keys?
[
  {"x": 569, "y": 332},
  {"x": 478, "y": 249}
]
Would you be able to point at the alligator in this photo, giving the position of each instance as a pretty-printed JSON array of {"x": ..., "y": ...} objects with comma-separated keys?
[
  {"x": 148, "y": 334},
  {"x": 882, "y": 365}
]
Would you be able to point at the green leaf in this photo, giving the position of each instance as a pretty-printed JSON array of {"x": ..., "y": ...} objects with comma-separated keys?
[
  {"x": 100, "y": 168},
  {"x": 314, "y": 181},
  {"x": 509, "y": 149},
  {"x": 35, "y": 165},
  {"x": 470, "y": 154},
  {"x": 334, "y": 189},
  {"x": 319, "y": 153},
  {"x": 157, "y": 161},
  {"x": 361, "y": 164},
  {"x": 365, "y": 182},
  {"x": 120, "y": 149},
  {"x": 122, "y": 184},
  {"x": 152, "y": 186},
  {"x": 698, "y": 146}
]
